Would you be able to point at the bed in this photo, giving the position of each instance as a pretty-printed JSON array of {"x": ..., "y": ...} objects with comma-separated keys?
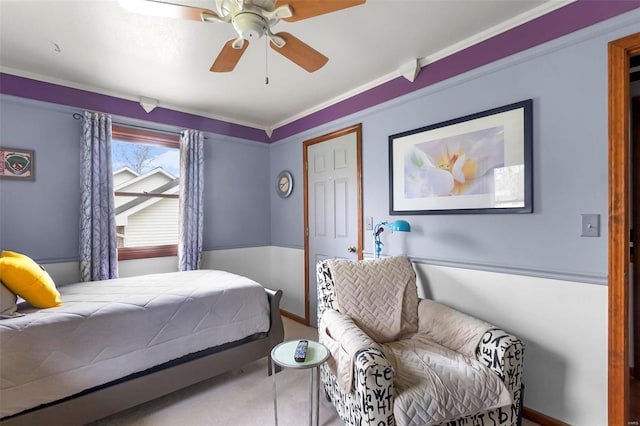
[{"x": 115, "y": 344}]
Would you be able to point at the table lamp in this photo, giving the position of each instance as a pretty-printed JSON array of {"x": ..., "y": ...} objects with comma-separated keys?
[{"x": 398, "y": 225}]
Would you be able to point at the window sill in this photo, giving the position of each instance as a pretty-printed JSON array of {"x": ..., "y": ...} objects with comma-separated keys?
[{"x": 130, "y": 253}]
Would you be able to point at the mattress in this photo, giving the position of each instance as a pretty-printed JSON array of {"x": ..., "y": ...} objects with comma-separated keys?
[{"x": 105, "y": 330}]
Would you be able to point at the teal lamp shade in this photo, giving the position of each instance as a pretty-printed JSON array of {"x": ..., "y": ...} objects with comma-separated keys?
[{"x": 400, "y": 225}]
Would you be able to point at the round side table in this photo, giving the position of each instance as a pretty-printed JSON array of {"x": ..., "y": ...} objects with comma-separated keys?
[{"x": 317, "y": 354}]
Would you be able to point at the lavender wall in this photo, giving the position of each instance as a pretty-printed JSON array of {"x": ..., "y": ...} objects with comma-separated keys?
[
  {"x": 41, "y": 217},
  {"x": 237, "y": 188},
  {"x": 287, "y": 224},
  {"x": 567, "y": 80}
]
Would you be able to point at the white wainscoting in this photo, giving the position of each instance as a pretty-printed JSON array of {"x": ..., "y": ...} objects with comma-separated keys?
[
  {"x": 64, "y": 272},
  {"x": 278, "y": 268},
  {"x": 69, "y": 272}
]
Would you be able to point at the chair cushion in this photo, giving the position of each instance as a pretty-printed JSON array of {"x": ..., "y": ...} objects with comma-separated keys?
[
  {"x": 380, "y": 295},
  {"x": 434, "y": 384}
]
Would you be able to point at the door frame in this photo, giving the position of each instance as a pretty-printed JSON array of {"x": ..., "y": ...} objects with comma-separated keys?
[
  {"x": 619, "y": 52},
  {"x": 634, "y": 296},
  {"x": 357, "y": 128}
]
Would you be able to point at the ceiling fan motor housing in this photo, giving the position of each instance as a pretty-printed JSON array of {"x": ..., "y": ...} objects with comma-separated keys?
[{"x": 249, "y": 25}]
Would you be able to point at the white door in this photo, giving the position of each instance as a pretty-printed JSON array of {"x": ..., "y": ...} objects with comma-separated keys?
[{"x": 334, "y": 203}]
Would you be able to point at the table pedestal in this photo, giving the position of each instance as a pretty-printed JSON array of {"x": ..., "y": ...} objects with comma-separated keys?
[{"x": 317, "y": 354}]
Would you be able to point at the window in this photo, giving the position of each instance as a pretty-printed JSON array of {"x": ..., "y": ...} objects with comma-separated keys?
[{"x": 146, "y": 171}]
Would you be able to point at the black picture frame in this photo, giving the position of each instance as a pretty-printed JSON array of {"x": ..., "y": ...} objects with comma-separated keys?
[{"x": 479, "y": 163}]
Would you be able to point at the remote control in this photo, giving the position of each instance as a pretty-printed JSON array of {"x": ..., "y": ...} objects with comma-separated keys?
[{"x": 301, "y": 351}]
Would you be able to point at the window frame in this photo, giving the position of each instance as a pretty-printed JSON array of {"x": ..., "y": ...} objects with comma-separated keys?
[{"x": 140, "y": 135}]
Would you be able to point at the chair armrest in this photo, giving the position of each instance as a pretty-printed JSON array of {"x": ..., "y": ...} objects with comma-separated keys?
[
  {"x": 503, "y": 353},
  {"x": 344, "y": 339},
  {"x": 339, "y": 327},
  {"x": 358, "y": 366},
  {"x": 374, "y": 387},
  {"x": 450, "y": 328}
]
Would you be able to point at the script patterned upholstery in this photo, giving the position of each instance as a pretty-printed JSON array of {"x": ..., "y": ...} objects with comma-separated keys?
[{"x": 372, "y": 400}]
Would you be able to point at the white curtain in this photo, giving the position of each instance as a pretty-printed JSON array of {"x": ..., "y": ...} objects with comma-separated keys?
[
  {"x": 98, "y": 252},
  {"x": 191, "y": 220}
]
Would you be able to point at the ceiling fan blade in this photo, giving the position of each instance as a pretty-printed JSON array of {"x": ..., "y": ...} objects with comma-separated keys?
[
  {"x": 300, "y": 53},
  {"x": 303, "y": 9},
  {"x": 169, "y": 10},
  {"x": 228, "y": 57}
]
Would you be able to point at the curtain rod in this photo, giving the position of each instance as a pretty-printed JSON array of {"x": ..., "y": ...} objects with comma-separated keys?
[{"x": 78, "y": 116}]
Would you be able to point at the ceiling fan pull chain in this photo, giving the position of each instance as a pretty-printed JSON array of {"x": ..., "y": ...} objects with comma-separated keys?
[{"x": 266, "y": 60}]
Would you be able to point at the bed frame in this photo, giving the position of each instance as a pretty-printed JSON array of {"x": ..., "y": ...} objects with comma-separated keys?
[{"x": 138, "y": 388}]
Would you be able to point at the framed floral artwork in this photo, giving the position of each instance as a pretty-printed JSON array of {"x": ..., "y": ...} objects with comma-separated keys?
[
  {"x": 17, "y": 163},
  {"x": 480, "y": 163}
]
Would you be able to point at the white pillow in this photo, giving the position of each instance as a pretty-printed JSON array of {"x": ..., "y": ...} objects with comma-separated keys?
[{"x": 8, "y": 300}]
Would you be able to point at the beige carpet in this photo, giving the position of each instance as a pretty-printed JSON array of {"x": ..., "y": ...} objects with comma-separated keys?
[{"x": 237, "y": 398}]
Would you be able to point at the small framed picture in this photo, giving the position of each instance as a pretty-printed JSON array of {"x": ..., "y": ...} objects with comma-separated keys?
[{"x": 17, "y": 163}]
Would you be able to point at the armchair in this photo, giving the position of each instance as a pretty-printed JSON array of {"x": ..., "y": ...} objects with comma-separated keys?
[{"x": 397, "y": 359}]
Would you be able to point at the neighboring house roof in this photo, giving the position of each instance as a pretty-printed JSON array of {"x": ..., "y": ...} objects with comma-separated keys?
[
  {"x": 122, "y": 175},
  {"x": 156, "y": 181},
  {"x": 139, "y": 178},
  {"x": 141, "y": 203},
  {"x": 126, "y": 170}
]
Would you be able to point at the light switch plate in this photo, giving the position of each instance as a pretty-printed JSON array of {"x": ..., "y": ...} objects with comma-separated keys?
[
  {"x": 590, "y": 225},
  {"x": 369, "y": 225}
]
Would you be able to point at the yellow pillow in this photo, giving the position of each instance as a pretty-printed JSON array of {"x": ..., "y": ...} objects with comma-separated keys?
[
  {"x": 7, "y": 253},
  {"x": 28, "y": 280}
]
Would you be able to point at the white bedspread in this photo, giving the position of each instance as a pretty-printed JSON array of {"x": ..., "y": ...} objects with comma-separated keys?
[{"x": 106, "y": 330}]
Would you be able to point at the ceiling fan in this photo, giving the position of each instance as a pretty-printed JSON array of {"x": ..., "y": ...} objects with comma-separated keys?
[{"x": 252, "y": 19}]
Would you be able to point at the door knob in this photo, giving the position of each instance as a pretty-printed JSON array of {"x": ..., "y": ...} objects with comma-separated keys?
[{"x": 352, "y": 249}]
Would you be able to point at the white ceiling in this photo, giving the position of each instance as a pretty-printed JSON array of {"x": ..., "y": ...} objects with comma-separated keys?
[{"x": 96, "y": 45}]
